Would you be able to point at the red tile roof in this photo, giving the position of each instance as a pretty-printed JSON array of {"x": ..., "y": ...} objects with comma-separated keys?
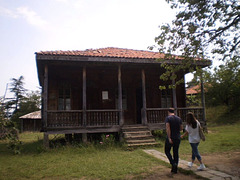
[
  {"x": 108, "y": 52},
  {"x": 193, "y": 90}
]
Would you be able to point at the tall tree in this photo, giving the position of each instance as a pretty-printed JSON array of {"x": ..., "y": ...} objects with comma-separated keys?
[
  {"x": 17, "y": 87},
  {"x": 223, "y": 86},
  {"x": 205, "y": 29}
]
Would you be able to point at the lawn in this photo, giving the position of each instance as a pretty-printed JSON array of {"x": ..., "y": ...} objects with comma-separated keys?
[
  {"x": 99, "y": 162},
  {"x": 69, "y": 162}
]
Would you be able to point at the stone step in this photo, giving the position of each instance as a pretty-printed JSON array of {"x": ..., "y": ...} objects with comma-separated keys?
[
  {"x": 130, "y": 128},
  {"x": 139, "y": 137},
  {"x": 138, "y": 141},
  {"x": 137, "y": 133},
  {"x": 143, "y": 144}
]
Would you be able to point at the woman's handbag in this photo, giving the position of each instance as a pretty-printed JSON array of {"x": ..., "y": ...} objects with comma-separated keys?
[{"x": 201, "y": 134}]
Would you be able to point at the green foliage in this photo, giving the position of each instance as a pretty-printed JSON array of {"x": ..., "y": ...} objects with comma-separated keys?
[
  {"x": 223, "y": 85},
  {"x": 29, "y": 103},
  {"x": 193, "y": 100},
  {"x": 9, "y": 132},
  {"x": 199, "y": 25},
  {"x": 107, "y": 140},
  {"x": 221, "y": 115},
  {"x": 18, "y": 90},
  {"x": 201, "y": 30}
]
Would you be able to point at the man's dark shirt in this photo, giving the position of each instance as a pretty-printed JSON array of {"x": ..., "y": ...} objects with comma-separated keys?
[{"x": 175, "y": 123}]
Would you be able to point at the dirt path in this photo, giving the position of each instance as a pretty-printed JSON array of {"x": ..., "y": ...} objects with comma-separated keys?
[{"x": 225, "y": 162}]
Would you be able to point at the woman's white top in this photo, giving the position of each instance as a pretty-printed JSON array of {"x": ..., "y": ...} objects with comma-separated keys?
[{"x": 193, "y": 134}]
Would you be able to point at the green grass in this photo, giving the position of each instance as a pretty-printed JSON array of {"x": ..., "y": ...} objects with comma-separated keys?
[
  {"x": 114, "y": 162},
  {"x": 68, "y": 162},
  {"x": 223, "y": 133}
]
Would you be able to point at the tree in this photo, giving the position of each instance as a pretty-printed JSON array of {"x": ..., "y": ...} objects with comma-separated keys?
[
  {"x": 205, "y": 29},
  {"x": 223, "y": 86},
  {"x": 29, "y": 103},
  {"x": 8, "y": 131},
  {"x": 18, "y": 90}
]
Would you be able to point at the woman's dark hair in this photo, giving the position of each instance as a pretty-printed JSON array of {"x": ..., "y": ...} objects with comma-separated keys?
[{"x": 191, "y": 120}]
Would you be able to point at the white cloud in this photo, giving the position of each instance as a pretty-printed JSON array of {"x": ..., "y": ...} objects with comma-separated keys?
[
  {"x": 8, "y": 12},
  {"x": 29, "y": 15},
  {"x": 32, "y": 17}
]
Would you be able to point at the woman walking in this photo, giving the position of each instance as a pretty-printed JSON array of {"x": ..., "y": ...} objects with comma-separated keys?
[{"x": 192, "y": 130}]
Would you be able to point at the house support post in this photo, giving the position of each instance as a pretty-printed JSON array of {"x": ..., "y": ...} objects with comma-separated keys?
[
  {"x": 45, "y": 102},
  {"x": 174, "y": 96},
  {"x": 203, "y": 102},
  {"x": 120, "y": 108},
  {"x": 45, "y": 140},
  {"x": 144, "y": 109},
  {"x": 84, "y": 137},
  {"x": 84, "y": 105},
  {"x": 45, "y": 97}
]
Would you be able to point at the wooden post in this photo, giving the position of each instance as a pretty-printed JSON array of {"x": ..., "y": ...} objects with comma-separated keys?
[
  {"x": 144, "y": 112},
  {"x": 203, "y": 100},
  {"x": 120, "y": 108},
  {"x": 45, "y": 97},
  {"x": 84, "y": 137},
  {"x": 46, "y": 140},
  {"x": 84, "y": 105},
  {"x": 174, "y": 96}
]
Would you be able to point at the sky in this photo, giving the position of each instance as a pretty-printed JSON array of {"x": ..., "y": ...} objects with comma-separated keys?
[{"x": 29, "y": 26}]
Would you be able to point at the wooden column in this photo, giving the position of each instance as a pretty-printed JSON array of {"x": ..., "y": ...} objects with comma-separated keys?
[
  {"x": 84, "y": 105},
  {"x": 144, "y": 112},
  {"x": 45, "y": 102},
  {"x": 203, "y": 100},
  {"x": 45, "y": 140},
  {"x": 174, "y": 96},
  {"x": 84, "y": 90},
  {"x": 120, "y": 108},
  {"x": 45, "y": 96}
]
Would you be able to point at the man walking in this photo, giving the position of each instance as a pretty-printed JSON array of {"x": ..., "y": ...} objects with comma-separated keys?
[{"x": 173, "y": 128}]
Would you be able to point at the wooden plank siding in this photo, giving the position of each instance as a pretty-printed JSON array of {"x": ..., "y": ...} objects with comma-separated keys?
[{"x": 86, "y": 84}]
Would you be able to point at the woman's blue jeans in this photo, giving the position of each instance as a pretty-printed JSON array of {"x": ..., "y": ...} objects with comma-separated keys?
[{"x": 195, "y": 152}]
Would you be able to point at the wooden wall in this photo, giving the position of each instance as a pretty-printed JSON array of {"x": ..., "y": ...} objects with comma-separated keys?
[{"x": 105, "y": 78}]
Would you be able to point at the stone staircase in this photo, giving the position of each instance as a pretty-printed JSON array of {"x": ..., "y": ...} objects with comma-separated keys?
[{"x": 138, "y": 135}]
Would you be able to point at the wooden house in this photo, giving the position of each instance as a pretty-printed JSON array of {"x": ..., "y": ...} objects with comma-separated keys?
[
  {"x": 31, "y": 121},
  {"x": 102, "y": 90}
]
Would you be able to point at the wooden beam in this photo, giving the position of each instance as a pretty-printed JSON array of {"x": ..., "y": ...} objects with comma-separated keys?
[
  {"x": 144, "y": 112},
  {"x": 120, "y": 107},
  {"x": 84, "y": 90}
]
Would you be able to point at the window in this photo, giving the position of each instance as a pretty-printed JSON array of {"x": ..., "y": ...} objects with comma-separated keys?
[
  {"x": 64, "y": 99},
  {"x": 166, "y": 98}
]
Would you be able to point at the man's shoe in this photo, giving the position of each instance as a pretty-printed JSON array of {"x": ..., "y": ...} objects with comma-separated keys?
[
  {"x": 201, "y": 167},
  {"x": 174, "y": 168}
]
